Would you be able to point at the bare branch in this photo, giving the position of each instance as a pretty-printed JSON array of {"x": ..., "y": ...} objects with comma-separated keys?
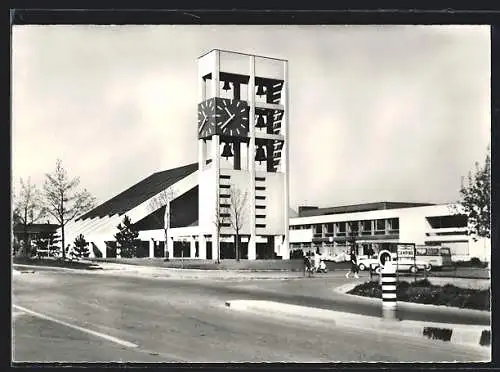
[
  {"x": 62, "y": 200},
  {"x": 237, "y": 207},
  {"x": 162, "y": 199}
]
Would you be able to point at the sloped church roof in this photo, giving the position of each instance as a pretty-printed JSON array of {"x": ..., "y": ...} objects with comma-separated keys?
[{"x": 140, "y": 192}]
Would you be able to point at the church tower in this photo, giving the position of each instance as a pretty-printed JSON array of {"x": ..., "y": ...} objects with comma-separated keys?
[{"x": 243, "y": 153}]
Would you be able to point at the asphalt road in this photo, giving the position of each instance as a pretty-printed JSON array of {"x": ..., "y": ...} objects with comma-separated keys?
[{"x": 172, "y": 321}]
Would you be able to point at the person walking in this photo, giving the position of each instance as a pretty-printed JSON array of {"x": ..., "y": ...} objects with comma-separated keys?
[
  {"x": 307, "y": 265},
  {"x": 354, "y": 265}
]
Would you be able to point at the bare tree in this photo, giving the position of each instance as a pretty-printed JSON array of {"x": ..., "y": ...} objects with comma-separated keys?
[
  {"x": 221, "y": 219},
  {"x": 236, "y": 208},
  {"x": 162, "y": 199},
  {"x": 28, "y": 209},
  {"x": 62, "y": 199}
]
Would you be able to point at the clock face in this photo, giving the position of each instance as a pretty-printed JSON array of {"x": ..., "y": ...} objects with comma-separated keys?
[
  {"x": 231, "y": 117},
  {"x": 206, "y": 124}
]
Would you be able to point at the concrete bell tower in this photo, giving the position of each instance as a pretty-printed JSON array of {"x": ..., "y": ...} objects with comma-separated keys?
[{"x": 243, "y": 149}]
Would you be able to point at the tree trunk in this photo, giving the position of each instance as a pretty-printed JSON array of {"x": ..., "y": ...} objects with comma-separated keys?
[
  {"x": 25, "y": 248},
  {"x": 62, "y": 243},
  {"x": 165, "y": 248},
  {"x": 237, "y": 247}
]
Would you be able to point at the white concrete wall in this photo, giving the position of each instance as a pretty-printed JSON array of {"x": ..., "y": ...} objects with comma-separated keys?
[
  {"x": 274, "y": 202},
  {"x": 240, "y": 180},
  {"x": 207, "y": 194},
  {"x": 233, "y": 62},
  {"x": 412, "y": 226},
  {"x": 301, "y": 236}
]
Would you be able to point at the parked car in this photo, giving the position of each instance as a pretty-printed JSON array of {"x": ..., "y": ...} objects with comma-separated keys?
[
  {"x": 364, "y": 262},
  {"x": 340, "y": 257},
  {"x": 408, "y": 264}
]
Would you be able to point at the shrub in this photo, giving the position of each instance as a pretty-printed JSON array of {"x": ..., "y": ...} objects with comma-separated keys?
[
  {"x": 424, "y": 292},
  {"x": 81, "y": 248},
  {"x": 422, "y": 283},
  {"x": 475, "y": 261}
]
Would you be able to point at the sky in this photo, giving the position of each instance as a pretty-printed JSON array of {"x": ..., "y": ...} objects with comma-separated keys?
[{"x": 377, "y": 113}]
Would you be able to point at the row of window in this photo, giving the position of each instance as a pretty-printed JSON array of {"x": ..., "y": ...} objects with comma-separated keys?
[{"x": 364, "y": 227}]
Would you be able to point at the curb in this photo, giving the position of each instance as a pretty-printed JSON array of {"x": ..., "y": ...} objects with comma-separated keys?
[
  {"x": 469, "y": 335},
  {"x": 136, "y": 271},
  {"x": 41, "y": 267}
]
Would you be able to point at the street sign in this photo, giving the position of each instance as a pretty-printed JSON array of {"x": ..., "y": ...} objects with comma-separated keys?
[
  {"x": 405, "y": 251},
  {"x": 383, "y": 257}
]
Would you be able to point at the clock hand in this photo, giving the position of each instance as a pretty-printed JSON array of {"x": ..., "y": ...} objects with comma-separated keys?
[
  {"x": 227, "y": 121},
  {"x": 229, "y": 112},
  {"x": 202, "y": 124}
]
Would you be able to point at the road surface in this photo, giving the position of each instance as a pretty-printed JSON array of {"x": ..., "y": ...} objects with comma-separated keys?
[{"x": 129, "y": 319}]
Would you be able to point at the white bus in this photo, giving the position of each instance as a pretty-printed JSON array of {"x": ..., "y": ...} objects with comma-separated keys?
[{"x": 437, "y": 257}]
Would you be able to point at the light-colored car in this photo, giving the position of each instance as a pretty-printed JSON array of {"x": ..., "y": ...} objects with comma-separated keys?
[
  {"x": 340, "y": 257},
  {"x": 364, "y": 262},
  {"x": 407, "y": 264}
]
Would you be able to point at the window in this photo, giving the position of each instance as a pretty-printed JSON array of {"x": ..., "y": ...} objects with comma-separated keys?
[
  {"x": 380, "y": 227},
  {"x": 393, "y": 225},
  {"x": 353, "y": 227},
  {"x": 340, "y": 229},
  {"x": 447, "y": 221},
  {"x": 366, "y": 227},
  {"x": 445, "y": 252}
]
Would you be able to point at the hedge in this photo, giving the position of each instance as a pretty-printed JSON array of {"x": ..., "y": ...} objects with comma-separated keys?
[{"x": 423, "y": 292}]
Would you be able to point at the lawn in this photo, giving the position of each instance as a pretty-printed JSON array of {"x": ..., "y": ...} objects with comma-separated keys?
[
  {"x": 53, "y": 262},
  {"x": 423, "y": 292}
]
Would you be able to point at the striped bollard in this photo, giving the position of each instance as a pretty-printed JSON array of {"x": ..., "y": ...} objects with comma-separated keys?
[{"x": 389, "y": 297}]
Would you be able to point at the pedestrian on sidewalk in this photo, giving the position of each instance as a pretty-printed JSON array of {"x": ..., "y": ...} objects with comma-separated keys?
[{"x": 354, "y": 265}]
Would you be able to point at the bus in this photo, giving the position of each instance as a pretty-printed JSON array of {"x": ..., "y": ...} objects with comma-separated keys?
[{"x": 436, "y": 256}]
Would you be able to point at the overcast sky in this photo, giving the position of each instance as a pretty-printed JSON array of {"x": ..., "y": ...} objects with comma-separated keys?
[{"x": 377, "y": 113}]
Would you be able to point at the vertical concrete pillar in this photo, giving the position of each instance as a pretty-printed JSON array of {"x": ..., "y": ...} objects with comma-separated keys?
[
  {"x": 151, "y": 248},
  {"x": 251, "y": 160},
  {"x": 169, "y": 246},
  {"x": 192, "y": 247},
  {"x": 202, "y": 247},
  {"x": 285, "y": 251},
  {"x": 252, "y": 247}
]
